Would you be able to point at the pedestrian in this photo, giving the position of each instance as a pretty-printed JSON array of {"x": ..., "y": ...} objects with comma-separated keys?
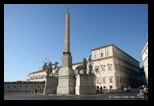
[
  {"x": 34, "y": 93},
  {"x": 110, "y": 87},
  {"x": 31, "y": 92},
  {"x": 145, "y": 90},
  {"x": 101, "y": 90},
  {"x": 141, "y": 94}
]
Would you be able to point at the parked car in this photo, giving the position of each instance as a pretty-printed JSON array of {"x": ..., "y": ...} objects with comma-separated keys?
[{"x": 127, "y": 88}]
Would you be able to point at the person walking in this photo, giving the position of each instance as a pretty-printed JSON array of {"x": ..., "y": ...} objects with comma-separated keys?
[
  {"x": 101, "y": 90},
  {"x": 34, "y": 93},
  {"x": 145, "y": 90}
]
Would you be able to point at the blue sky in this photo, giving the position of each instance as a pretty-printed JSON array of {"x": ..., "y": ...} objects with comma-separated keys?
[{"x": 33, "y": 32}]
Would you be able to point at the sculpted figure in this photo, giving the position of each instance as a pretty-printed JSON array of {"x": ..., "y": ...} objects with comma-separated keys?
[
  {"x": 49, "y": 70},
  {"x": 89, "y": 59},
  {"x": 56, "y": 69},
  {"x": 82, "y": 67},
  {"x": 56, "y": 65},
  {"x": 89, "y": 65},
  {"x": 45, "y": 65}
]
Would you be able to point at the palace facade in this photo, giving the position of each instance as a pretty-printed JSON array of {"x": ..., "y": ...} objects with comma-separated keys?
[
  {"x": 144, "y": 56},
  {"x": 115, "y": 68}
]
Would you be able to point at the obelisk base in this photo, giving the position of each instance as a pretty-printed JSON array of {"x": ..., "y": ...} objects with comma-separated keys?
[{"x": 66, "y": 81}]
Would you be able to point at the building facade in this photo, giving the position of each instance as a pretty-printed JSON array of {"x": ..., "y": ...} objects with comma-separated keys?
[
  {"x": 144, "y": 56},
  {"x": 115, "y": 68},
  {"x": 37, "y": 76},
  {"x": 23, "y": 86}
]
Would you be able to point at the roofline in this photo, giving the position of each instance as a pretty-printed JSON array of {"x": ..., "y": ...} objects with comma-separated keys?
[
  {"x": 117, "y": 48},
  {"x": 102, "y": 47},
  {"x": 77, "y": 63},
  {"x": 36, "y": 72},
  {"x": 144, "y": 48},
  {"x": 39, "y": 71}
]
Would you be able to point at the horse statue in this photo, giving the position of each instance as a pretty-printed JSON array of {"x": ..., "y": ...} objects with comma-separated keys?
[
  {"x": 53, "y": 71},
  {"x": 45, "y": 66},
  {"x": 82, "y": 67},
  {"x": 49, "y": 69}
]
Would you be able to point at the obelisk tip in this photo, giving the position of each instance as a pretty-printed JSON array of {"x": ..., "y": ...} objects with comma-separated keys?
[{"x": 67, "y": 9}]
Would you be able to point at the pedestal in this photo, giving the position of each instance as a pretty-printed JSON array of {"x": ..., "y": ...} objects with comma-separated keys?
[
  {"x": 50, "y": 85},
  {"x": 85, "y": 84}
]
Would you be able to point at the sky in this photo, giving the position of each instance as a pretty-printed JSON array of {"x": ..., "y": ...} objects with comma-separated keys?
[{"x": 33, "y": 32}]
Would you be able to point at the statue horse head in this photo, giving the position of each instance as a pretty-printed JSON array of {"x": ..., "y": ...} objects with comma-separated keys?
[{"x": 82, "y": 67}]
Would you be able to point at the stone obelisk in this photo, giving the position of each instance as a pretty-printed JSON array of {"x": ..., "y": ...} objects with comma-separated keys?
[{"x": 66, "y": 78}]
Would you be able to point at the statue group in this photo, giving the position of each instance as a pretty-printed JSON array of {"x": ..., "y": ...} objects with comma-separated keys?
[
  {"x": 86, "y": 67},
  {"x": 49, "y": 70}
]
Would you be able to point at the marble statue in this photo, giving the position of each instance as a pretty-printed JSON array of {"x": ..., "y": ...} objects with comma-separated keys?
[
  {"x": 82, "y": 67},
  {"x": 89, "y": 65}
]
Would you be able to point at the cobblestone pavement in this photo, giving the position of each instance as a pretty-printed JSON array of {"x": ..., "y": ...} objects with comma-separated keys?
[{"x": 107, "y": 95}]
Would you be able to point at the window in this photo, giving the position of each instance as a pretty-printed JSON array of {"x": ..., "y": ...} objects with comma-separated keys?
[
  {"x": 111, "y": 79},
  {"x": 103, "y": 67},
  {"x": 96, "y": 68},
  {"x": 104, "y": 80},
  {"x": 98, "y": 80},
  {"x": 115, "y": 67},
  {"x": 95, "y": 55},
  {"x": 101, "y": 54},
  {"x": 118, "y": 79},
  {"x": 107, "y": 53},
  {"x": 109, "y": 67}
]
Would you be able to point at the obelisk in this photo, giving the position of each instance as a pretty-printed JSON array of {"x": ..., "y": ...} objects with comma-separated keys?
[{"x": 66, "y": 78}]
